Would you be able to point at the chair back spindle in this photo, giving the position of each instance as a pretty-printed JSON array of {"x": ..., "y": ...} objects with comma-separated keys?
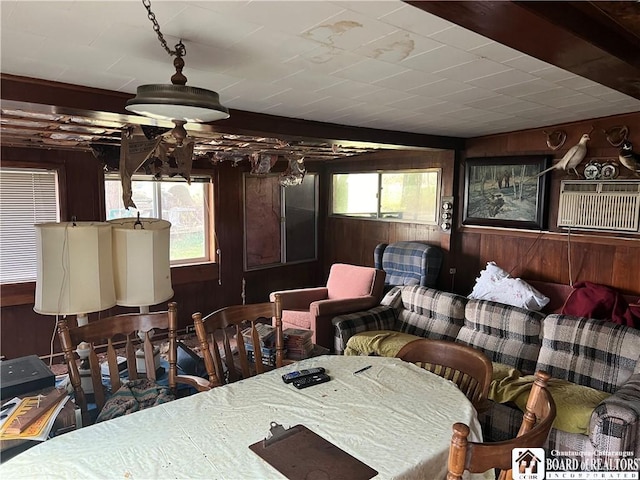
[
  {"x": 534, "y": 430},
  {"x": 468, "y": 368},
  {"x": 222, "y": 343},
  {"x": 112, "y": 332}
]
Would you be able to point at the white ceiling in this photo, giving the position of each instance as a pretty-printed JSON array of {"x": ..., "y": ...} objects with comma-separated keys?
[{"x": 378, "y": 64}]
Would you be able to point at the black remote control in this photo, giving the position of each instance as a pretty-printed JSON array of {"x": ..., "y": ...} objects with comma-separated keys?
[
  {"x": 291, "y": 376},
  {"x": 308, "y": 381}
]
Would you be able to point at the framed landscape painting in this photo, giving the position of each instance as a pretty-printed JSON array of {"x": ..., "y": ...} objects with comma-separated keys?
[{"x": 506, "y": 192}]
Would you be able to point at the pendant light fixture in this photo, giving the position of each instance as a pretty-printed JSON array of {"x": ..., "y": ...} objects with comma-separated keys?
[{"x": 176, "y": 102}]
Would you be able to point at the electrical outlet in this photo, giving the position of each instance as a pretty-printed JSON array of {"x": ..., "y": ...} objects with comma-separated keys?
[
  {"x": 452, "y": 271},
  {"x": 190, "y": 329}
]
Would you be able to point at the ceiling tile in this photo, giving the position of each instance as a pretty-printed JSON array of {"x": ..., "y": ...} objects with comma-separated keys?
[
  {"x": 422, "y": 23},
  {"x": 375, "y": 8},
  {"x": 265, "y": 71},
  {"x": 286, "y": 16},
  {"x": 384, "y": 64},
  {"x": 502, "y": 79},
  {"x": 370, "y": 70},
  {"x": 385, "y": 96},
  {"x": 496, "y": 52},
  {"x": 397, "y": 46},
  {"x": 469, "y": 71},
  {"x": 527, "y": 88},
  {"x": 526, "y": 64},
  {"x": 325, "y": 60},
  {"x": 99, "y": 79},
  {"x": 407, "y": 80},
  {"x": 442, "y": 87},
  {"x": 438, "y": 59},
  {"x": 470, "y": 95},
  {"x": 461, "y": 38},
  {"x": 251, "y": 89},
  {"x": 348, "y": 89},
  {"x": 265, "y": 43},
  {"x": 348, "y": 30},
  {"x": 52, "y": 21}
]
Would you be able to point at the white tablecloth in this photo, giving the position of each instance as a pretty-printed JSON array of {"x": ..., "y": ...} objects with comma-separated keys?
[{"x": 394, "y": 417}]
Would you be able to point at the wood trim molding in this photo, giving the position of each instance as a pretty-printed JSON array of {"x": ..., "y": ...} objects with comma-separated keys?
[
  {"x": 24, "y": 293},
  {"x": 576, "y": 237}
]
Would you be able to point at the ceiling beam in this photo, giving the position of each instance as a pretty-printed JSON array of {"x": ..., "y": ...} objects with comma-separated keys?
[{"x": 581, "y": 37}]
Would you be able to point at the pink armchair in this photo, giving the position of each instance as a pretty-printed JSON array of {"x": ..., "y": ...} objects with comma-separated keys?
[{"x": 350, "y": 288}]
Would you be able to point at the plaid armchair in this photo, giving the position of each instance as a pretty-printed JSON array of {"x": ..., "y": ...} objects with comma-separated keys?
[{"x": 408, "y": 263}]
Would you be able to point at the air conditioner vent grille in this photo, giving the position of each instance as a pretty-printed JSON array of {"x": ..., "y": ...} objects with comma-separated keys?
[{"x": 600, "y": 205}]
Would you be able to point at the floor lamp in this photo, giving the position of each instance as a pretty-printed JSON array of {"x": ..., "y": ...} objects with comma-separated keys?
[
  {"x": 141, "y": 268},
  {"x": 74, "y": 273}
]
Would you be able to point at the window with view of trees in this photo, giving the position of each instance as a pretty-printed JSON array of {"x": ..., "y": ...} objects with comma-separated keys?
[
  {"x": 186, "y": 206},
  {"x": 406, "y": 196}
]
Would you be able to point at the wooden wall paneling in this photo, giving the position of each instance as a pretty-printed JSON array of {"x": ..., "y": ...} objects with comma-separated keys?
[
  {"x": 352, "y": 240},
  {"x": 229, "y": 230},
  {"x": 591, "y": 261},
  {"x": 545, "y": 256},
  {"x": 596, "y": 256},
  {"x": 467, "y": 263},
  {"x": 534, "y": 141},
  {"x": 85, "y": 188},
  {"x": 24, "y": 332},
  {"x": 626, "y": 268},
  {"x": 372, "y": 231},
  {"x": 260, "y": 283}
]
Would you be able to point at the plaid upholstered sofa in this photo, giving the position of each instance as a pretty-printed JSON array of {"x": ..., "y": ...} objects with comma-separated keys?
[{"x": 601, "y": 355}]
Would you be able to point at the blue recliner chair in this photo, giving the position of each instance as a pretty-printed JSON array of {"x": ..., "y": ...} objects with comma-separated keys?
[{"x": 408, "y": 263}]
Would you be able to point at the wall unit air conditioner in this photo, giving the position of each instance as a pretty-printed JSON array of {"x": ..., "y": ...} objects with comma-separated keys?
[{"x": 600, "y": 205}]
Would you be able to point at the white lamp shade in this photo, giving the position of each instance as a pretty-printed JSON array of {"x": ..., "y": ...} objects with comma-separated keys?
[
  {"x": 74, "y": 268},
  {"x": 141, "y": 261}
]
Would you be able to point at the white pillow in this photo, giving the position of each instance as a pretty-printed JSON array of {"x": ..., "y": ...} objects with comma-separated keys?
[{"x": 496, "y": 285}]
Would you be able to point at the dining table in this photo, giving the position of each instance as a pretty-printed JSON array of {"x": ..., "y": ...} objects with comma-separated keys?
[{"x": 392, "y": 415}]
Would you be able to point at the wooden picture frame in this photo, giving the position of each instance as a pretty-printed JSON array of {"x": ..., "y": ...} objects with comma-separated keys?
[{"x": 506, "y": 192}]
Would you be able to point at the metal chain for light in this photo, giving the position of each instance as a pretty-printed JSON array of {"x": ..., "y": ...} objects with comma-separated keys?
[{"x": 180, "y": 50}]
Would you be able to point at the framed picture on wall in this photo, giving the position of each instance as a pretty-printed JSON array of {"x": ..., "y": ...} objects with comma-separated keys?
[{"x": 506, "y": 192}]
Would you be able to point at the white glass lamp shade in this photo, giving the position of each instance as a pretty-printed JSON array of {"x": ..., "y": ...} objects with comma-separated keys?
[
  {"x": 141, "y": 261},
  {"x": 74, "y": 268}
]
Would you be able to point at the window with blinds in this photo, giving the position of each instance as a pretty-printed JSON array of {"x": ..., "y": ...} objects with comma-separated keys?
[{"x": 27, "y": 196}]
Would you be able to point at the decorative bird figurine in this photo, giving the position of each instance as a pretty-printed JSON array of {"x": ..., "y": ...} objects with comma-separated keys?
[
  {"x": 572, "y": 158},
  {"x": 629, "y": 158}
]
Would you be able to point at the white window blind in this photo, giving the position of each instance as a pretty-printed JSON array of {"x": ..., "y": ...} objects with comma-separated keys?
[{"x": 27, "y": 197}]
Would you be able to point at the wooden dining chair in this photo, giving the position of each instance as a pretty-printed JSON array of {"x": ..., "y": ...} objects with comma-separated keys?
[
  {"x": 125, "y": 331},
  {"x": 222, "y": 344},
  {"x": 479, "y": 457},
  {"x": 468, "y": 368}
]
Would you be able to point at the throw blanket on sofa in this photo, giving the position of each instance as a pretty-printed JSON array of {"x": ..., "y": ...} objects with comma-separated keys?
[
  {"x": 591, "y": 300},
  {"x": 133, "y": 396},
  {"x": 574, "y": 403}
]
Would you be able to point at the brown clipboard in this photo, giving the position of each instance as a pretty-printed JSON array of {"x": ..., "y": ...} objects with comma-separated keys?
[{"x": 299, "y": 454}]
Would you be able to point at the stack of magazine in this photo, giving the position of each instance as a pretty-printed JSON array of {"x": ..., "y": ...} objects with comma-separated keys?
[
  {"x": 31, "y": 418},
  {"x": 267, "y": 335},
  {"x": 298, "y": 343}
]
